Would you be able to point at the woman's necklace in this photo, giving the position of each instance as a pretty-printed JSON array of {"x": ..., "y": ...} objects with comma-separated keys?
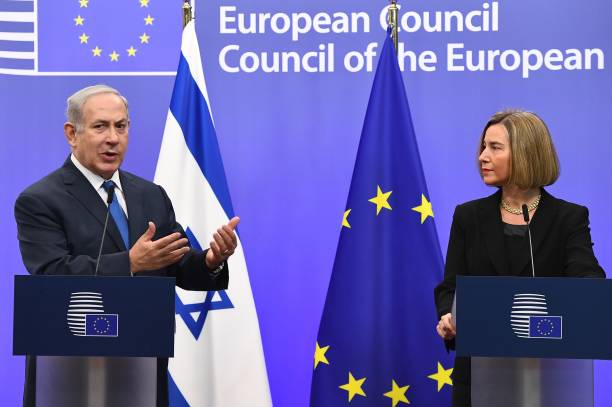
[{"x": 519, "y": 211}]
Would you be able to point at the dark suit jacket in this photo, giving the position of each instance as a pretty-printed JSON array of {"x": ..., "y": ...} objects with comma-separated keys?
[
  {"x": 60, "y": 221},
  {"x": 562, "y": 247}
]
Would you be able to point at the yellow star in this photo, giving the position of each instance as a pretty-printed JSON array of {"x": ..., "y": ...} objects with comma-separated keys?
[
  {"x": 144, "y": 3},
  {"x": 381, "y": 200},
  {"x": 78, "y": 20},
  {"x": 84, "y": 37},
  {"x": 442, "y": 377},
  {"x": 397, "y": 394},
  {"x": 424, "y": 209},
  {"x": 96, "y": 51},
  {"x": 144, "y": 38},
  {"x": 149, "y": 20},
  {"x": 345, "y": 221},
  {"x": 114, "y": 56},
  {"x": 83, "y": 3},
  {"x": 319, "y": 355},
  {"x": 131, "y": 51},
  {"x": 353, "y": 387}
]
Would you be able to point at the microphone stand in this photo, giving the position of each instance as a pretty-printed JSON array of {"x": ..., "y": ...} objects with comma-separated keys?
[
  {"x": 109, "y": 199},
  {"x": 527, "y": 221}
]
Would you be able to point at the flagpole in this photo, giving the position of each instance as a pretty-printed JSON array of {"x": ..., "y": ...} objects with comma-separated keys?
[
  {"x": 393, "y": 12},
  {"x": 187, "y": 15}
]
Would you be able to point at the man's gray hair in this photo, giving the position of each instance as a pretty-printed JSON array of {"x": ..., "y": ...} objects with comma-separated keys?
[{"x": 74, "y": 109}]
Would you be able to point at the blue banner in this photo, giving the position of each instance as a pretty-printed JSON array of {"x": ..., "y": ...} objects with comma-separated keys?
[{"x": 98, "y": 36}]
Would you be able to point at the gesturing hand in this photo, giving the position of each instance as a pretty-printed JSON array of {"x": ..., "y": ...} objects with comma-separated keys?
[
  {"x": 223, "y": 245},
  {"x": 446, "y": 329},
  {"x": 147, "y": 254}
]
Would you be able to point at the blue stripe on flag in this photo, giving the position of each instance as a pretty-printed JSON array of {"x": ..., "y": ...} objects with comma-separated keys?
[
  {"x": 175, "y": 397},
  {"x": 192, "y": 239},
  {"x": 190, "y": 109},
  {"x": 16, "y": 27},
  {"x": 27, "y": 46},
  {"x": 16, "y": 5},
  {"x": 10, "y": 63}
]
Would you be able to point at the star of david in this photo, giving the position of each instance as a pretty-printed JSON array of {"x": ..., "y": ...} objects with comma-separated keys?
[{"x": 196, "y": 325}]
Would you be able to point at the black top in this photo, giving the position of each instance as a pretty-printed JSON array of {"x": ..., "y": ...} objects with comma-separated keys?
[
  {"x": 479, "y": 246},
  {"x": 560, "y": 236},
  {"x": 516, "y": 241}
]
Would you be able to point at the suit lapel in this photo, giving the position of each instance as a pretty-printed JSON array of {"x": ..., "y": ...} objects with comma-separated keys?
[
  {"x": 79, "y": 187},
  {"x": 134, "y": 200},
  {"x": 493, "y": 232}
]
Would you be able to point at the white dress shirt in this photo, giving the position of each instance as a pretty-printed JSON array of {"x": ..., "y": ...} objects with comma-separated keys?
[{"x": 96, "y": 182}]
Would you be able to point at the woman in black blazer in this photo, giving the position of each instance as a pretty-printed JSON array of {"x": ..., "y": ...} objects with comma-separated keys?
[{"x": 488, "y": 235}]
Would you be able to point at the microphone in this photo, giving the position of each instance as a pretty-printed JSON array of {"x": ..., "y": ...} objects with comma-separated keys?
[
  {"x": 109, "y": 199},
  {"x": 526, "y": 218}
]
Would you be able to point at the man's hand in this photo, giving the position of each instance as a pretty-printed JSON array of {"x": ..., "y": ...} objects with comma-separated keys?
[
  {"x": 446, "y": 329},
  {"x": 147, "y": 254},
  {"x": 223, "y": 245}
]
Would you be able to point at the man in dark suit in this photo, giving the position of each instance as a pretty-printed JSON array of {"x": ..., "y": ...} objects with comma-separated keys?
[{"x": 60, "y": 218}]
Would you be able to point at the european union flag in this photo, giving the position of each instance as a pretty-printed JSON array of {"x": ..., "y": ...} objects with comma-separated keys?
[
  {"x": 377, "y": 344},
  {"x": 107, "y": 36},
  {"x": 545, "y": 327},
  {"x": 101, "y": 325}
]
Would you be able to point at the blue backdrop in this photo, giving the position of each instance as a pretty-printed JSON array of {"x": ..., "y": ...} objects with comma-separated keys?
[{"x": 289, "y": 139}]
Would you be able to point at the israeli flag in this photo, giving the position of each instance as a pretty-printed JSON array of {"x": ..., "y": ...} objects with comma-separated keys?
[{"x": 218, "y": 356}]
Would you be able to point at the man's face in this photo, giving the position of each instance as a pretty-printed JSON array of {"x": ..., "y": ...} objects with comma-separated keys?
[{"x": 100, "y": 141}]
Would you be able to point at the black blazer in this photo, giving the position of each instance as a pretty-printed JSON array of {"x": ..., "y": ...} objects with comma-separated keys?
[
  {"x": 60, "y": 220},
  {"x": 561, "y": 241}
]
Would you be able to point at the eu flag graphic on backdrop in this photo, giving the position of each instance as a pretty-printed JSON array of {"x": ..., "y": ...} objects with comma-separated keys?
[
  {"x": 377, "y": 344},
  {"x": 91, "y": 35}
]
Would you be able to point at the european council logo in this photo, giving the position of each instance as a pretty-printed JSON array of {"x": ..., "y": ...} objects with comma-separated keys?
[
  {"x": 529, "y": 318},
  {"x": 86, "y": 316},
  {"x": 90, "y": 37}
]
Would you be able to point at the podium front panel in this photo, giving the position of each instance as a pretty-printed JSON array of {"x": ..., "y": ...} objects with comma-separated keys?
[
  {"x": 563, "y": 318},
  {"x": 94, "y": 316}
]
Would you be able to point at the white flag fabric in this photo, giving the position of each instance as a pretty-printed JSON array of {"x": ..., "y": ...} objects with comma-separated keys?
[{"x": 218, "y": 355}]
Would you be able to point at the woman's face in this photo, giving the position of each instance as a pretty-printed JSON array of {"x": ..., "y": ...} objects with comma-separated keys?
[{"x": 495, "y": 156}]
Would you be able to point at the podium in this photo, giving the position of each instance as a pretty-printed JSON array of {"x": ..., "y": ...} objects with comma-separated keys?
[
  {"x": 532, "y": 340},
  {"x": 95, "y": 340}
]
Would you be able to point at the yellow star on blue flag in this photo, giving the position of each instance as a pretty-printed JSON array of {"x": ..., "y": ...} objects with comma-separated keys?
[
  {"x": 353, "y": 387},
  {"x": 424, "y": 209},
  {"x": 381, "y": 200},
  {"x": 442, "y": 376}
]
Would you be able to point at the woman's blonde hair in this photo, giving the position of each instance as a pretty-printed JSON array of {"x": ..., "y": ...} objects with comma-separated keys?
[{"x": 533, "y": 159}]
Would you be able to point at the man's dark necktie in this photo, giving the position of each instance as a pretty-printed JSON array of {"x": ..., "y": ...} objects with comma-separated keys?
[{"x": 117, "y": 213}]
